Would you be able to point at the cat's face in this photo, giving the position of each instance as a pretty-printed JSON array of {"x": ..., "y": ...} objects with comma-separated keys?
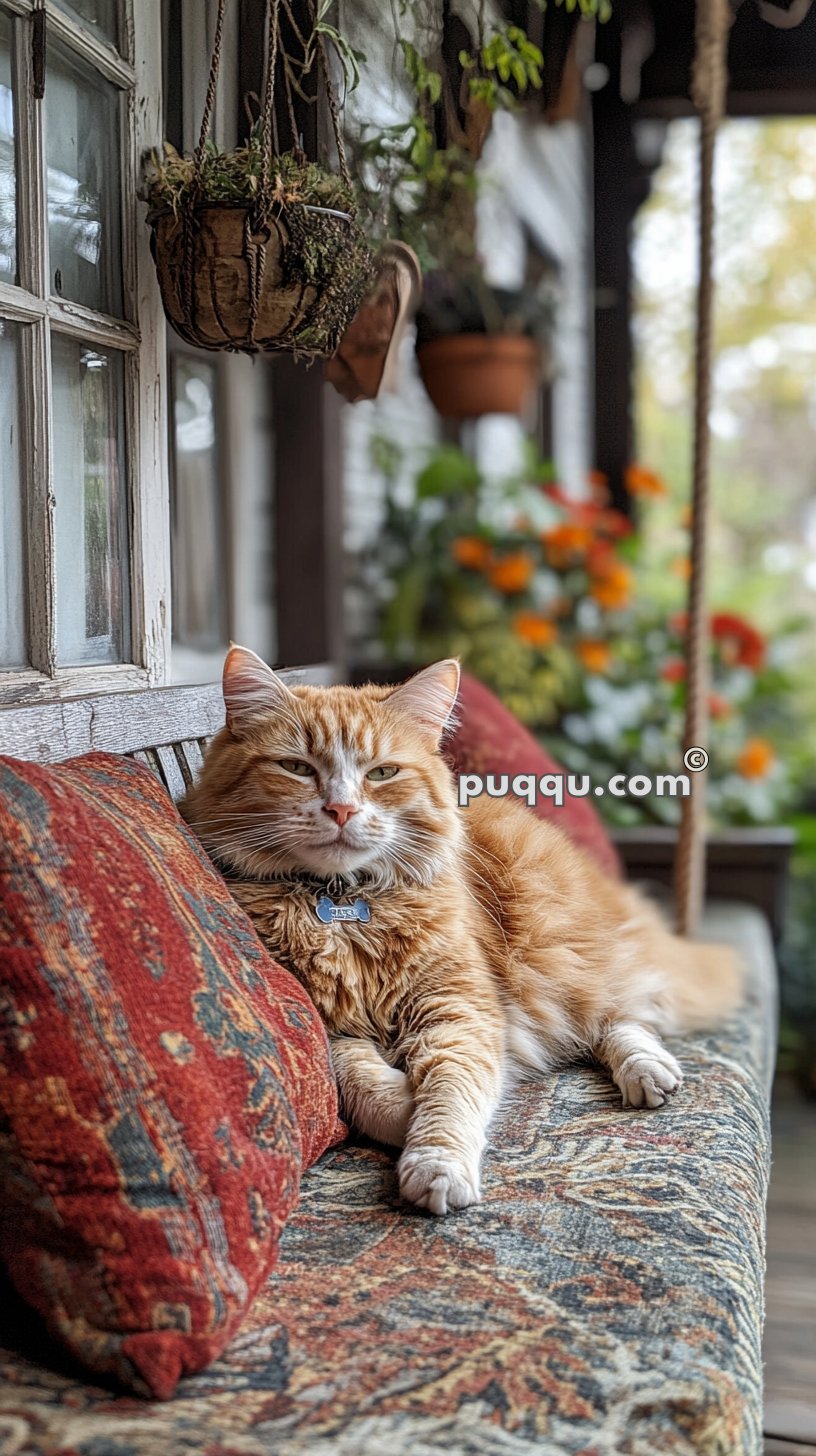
[{"x": 329, "y": 780}]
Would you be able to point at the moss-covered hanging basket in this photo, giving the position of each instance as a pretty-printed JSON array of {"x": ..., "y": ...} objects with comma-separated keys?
[
  {"x": 249, "y": 254},
  {"x": 291, "y": 281}
]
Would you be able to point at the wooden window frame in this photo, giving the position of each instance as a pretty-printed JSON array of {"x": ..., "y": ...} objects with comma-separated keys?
[{"x": 135, "y": 69}]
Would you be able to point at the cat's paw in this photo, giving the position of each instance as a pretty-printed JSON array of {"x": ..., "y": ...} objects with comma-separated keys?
[
  {"x": 646, "y": 1079},
  {"x": 436, "y": 1179}
]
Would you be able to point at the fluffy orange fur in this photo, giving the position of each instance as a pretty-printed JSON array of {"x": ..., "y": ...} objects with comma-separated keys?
[{"x": 496, "y": 948}]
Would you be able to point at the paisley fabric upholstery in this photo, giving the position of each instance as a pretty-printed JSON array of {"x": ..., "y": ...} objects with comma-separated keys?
[
  {"x": 604, "y": 1300},
  {"x": 162, "y": 1081}
]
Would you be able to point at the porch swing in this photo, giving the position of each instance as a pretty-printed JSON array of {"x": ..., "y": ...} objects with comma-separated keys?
[{"x": 608, "y": 1294}]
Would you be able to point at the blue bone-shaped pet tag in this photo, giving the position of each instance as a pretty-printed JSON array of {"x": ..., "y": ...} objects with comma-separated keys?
[{"x": 332, "y": 914}]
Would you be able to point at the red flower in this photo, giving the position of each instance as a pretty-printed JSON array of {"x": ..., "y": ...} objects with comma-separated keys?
[
  {"x": 740, "y": 644},
  {"x": 673, "y": 671},
  {"x": 615, "y": 523},
  {"x": 718, "y": 706}
]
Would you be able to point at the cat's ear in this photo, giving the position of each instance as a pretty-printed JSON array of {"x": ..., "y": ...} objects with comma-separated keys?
[
  {"x": 250, "y": 688},
  {"x": 429, "y": 697}
]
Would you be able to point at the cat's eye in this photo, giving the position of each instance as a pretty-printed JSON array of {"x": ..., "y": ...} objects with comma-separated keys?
[
  {"x": 382, "y": 771},
  {"x": 299, "y": 767}
]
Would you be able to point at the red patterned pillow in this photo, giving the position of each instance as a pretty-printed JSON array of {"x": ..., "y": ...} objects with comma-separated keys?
[
  {"x": 163, "y": 1082},
  {"x": 490, "y": 740}
]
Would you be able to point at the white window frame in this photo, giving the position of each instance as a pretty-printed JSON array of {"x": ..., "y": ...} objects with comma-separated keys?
[{"x": 140, "y": 338}]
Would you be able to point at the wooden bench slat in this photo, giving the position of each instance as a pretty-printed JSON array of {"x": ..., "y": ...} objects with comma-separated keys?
[
  {"x": 171, "y": 775},
  {"x": 122, "y": 722},
  {"x": 190, "y": 760}
]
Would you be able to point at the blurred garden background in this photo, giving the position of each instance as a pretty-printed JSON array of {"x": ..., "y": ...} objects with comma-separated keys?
[{"x": 571, "y": 607}]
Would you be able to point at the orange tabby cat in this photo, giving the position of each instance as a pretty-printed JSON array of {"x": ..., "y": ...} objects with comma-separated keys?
[{"x": 487, "y": 944}]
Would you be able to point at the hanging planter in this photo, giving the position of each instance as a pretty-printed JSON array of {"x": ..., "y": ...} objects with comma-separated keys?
[
  {"x": 367, "y": 359},
  {"x": 256, "y": 251}
]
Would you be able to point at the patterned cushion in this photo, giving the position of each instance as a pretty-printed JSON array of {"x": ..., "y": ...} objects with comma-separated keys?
[
  {"x": 162, "y": 1081},
  {"x": 490, "y": 740}
]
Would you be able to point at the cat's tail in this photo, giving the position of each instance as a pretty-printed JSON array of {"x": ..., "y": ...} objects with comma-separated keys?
[{"x": 705, "y": 984}]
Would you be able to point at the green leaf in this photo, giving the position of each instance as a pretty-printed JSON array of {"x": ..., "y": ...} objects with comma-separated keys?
[
  {"x": 449, "y": 472},
  {"x": 401, "y": 618}
]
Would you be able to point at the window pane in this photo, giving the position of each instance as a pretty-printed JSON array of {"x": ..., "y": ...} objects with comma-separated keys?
[
  {"x": 198, "y": 603},
  {"x": 13, "y": 644},
  {"x": 91, "y": 510},
  {"x": 8, "y": 200},
  {"x": 98, "y": 15},
  {"x": 84, "y": 200}
]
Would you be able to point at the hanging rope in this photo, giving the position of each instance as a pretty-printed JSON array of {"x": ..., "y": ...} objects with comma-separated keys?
[
  {"x": 709, "y": 83},
  {"x": 212, "y": 85},
  {"x": 273, "y": 48}
]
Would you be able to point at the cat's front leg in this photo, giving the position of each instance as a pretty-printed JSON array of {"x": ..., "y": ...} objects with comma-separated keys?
[
  {"x": 375, "y": 1097},
  {"x": 641, "y": 1067},
  {"x": 455, "y": 1059}
]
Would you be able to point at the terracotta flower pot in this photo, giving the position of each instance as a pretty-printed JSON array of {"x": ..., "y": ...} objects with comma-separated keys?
[{"x": 468, "y": 375}]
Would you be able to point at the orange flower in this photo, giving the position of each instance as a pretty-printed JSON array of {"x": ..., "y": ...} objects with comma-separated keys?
[
  {"x": 566, "y": 543},
  {"x": 673, "y": 671},
  {"x": 612, "y": 586},
  {"x": 511, "y": 574},
  {"x": 718, "y": 706},
  {"x": 756, "y": 759},
  {"x": 594, "y": 655},
  {"x": 641, "y": 481},
  {"x": 681, "y": 566},
  {"x": 471, "y": 552},
  {"x": 533, "y": 628}
]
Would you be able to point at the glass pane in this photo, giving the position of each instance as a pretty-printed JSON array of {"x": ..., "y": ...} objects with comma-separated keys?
[
  {"x": 8, "y": 199},
  {"x": 198, "y": 602},
  {"x": 13, "y": 644},
  {"x": 91, "y": 511},
  {"x": 84, "y": 198},
  {"x": 99, "y": 15}
]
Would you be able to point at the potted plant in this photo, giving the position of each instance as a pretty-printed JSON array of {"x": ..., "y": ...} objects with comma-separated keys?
[
  {"x": 253, "y": 250},
  {"x": 480, "y": 349}
]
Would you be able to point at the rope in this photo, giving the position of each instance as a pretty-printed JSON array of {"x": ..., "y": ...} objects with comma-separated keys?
[
  {"x": 709, "y": 81},
  {"x": 334, "y": 110},
  {"x": 212, "y": 85},
  {"x": 268, "y": 104},
  {"x": 267, "y": 114}
]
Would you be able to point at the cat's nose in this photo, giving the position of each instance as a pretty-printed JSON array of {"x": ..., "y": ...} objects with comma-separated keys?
[{"x": 340, "y": 812}]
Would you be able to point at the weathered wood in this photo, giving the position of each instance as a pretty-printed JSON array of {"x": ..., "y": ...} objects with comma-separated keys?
[
  {"x": 189, "y": 758},
  {"x": 124, "y": 723},
  {"x": 146, "y": 373},
  {"x": 171, "y": 775}
]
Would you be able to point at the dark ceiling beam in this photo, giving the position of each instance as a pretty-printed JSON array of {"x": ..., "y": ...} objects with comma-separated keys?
[{"x": 771, "y": 69}]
